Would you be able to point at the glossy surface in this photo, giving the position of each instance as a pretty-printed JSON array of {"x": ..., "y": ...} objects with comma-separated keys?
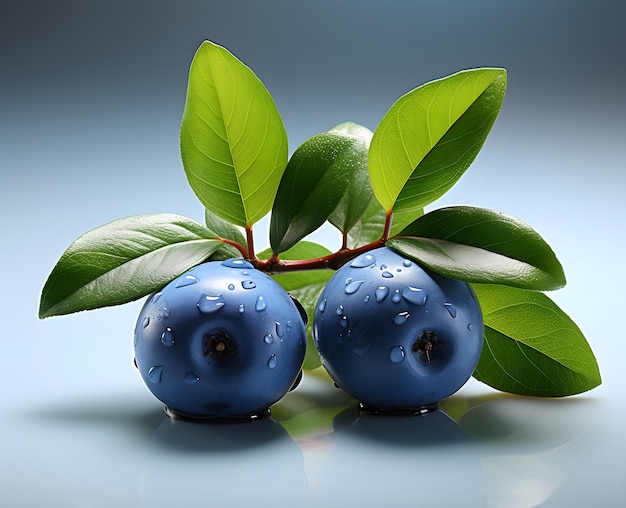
[
  {"x": 222, "y": 340},
  {"x": 92, "y": 96},
  {"x": 395, "y": 336}
]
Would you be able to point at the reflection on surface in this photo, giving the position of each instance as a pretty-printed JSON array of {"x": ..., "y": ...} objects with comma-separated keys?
[{"x": 487, "y": 449}]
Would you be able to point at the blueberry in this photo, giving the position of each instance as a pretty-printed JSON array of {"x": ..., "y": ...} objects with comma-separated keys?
[
  {"x": 395, "y": 336},
  {"x": 223, "y": 340}
]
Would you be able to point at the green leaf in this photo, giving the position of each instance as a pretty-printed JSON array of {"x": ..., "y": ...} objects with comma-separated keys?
[
  {"x": 359, "y": 193},
  {"x": 123, "y": 261},
  {"x": 531, "y": 346},
  {"x": 481, "y": 245},
  {"x": 219, "y": 228},
  {"x": 314, "y": 183},
  {"x": 233, "y": 141},
  {"x": 306, "y": 287},
  {"x": 369, "y": 227},
  {"x": 431, "y": 135}
]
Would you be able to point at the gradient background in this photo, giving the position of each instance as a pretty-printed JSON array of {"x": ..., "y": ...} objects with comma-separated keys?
[{"x": 91, "y": 95}]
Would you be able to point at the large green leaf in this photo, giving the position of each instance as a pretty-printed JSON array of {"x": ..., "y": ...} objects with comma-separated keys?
[
  {"x": 313, "y": 185},
  {"x": 481, "y": 245},
  {"x": 233, "y": 141},
  {"x": 359, "y": 193},
  {"x": 306, "y": 287},
  {"x": 123, "y": 261},
  {"x": 431, "y": 135},
  {"x": 531, "y": 346}
]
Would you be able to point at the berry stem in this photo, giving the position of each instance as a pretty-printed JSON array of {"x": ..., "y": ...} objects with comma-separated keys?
[
  {"x": 387, "y": 227},
  {"x": 332, "y": 261},
  {"x": 237, "y": 245},
  {"x": 250, "y": 241}
]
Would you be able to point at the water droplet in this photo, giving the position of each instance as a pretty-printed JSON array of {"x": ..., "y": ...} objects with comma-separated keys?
[
  {"x": 383, "y": 266},
  {"x": 406, "y": 263},
  {"x": 340, "y": 310},
  {"x": 186, "y": 280},
  {"x": 401, "y": 318},
  {"x": 289, "y": 324},
  {"x": 396, "y": 296},
  {"x": 353, "y": 287},
  {"x": 470, "y": 327},
  {"x": 209, "y": 304},
  {"x": 146, "y": 321},
  {"x": 344, "y": 322},
  {"x": 280, "y": 331},
  {"x": 322, "y": 305},
  {"x": 415, "y": 296},
  {"x": 381, "y": 293},
  {"x": 191, "y": 378},
  {"x": 268, "y": 339},
  {"x": 271, "y": 363},
  {"x": 396, "y": 354},
  {"x": 167, "y": 337},
  {"x": 451, "y": 309},
  {"x": 154, "y": 374},
  {"x": 237, "y": 263},
  {"x": 363, "y": 261},
  {"x": 156, "y": 297},
  {"x": 260, "y": 304},
  {"x": 231, "y": 287},
  {"x": 165, "y": 312},
  {"x": 340, "y": 339},
  {"x": 387, "y": 275},
  {"x": 242, "y": 308},
  {"x": 349, "y": 280},
  {"x": 248, "y": 284},
  {"x": 366, "y": 299}
]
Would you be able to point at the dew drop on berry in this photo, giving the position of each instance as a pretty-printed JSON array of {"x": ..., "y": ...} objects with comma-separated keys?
[
  {"x": 167, "y": 337},
  {"x": 154, "y": 374},
  {"x": 191, "y": 378},
  {"x": 363, "y": 261},
  {"x": 248, "y": 284},
  {"x": 155, "y": 297},
  {"x": 322, "y": 305},
  {"x": 451, "y": 309},
  {"x": 401, "y": 318},
  {"x": 231, "y": 287},
  {"x": 387, "y": 275},
  {"x": 343, "y": 322},
  {"x": 381, "y": 293},
  {"x": 271, "y": 363},
  {"x": 186, "y": 280},
  {"x": 268, "y": 339},
  {"x": 407, "y": 263},
  {"x": 146, "y": 321},
  {"x": 353, "y": 287},
  {"x": 237, "y": 263},
  {"x": 260, "y": 304},
  {"x": 280, "y": 330},
  {"x": 415, "y": 296},
  {"x": 366, "y": 299},
  {"x": 339, "y": 310},
  {"x": 209, "y": 304},
  {"x": 242, "y": 308},
  {"x": 470, "y": 327},
  {"x": 396, "y": 354},
  {"x": 397, "y": 297}
]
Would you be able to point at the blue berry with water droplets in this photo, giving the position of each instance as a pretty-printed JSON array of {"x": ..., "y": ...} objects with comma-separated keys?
[
  {"x": 396, "y": 336},
  {"x": 223, "y": 340}
]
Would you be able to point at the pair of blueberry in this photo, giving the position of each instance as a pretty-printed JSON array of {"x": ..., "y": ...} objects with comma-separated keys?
[{"x": 224, "y": 340}]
